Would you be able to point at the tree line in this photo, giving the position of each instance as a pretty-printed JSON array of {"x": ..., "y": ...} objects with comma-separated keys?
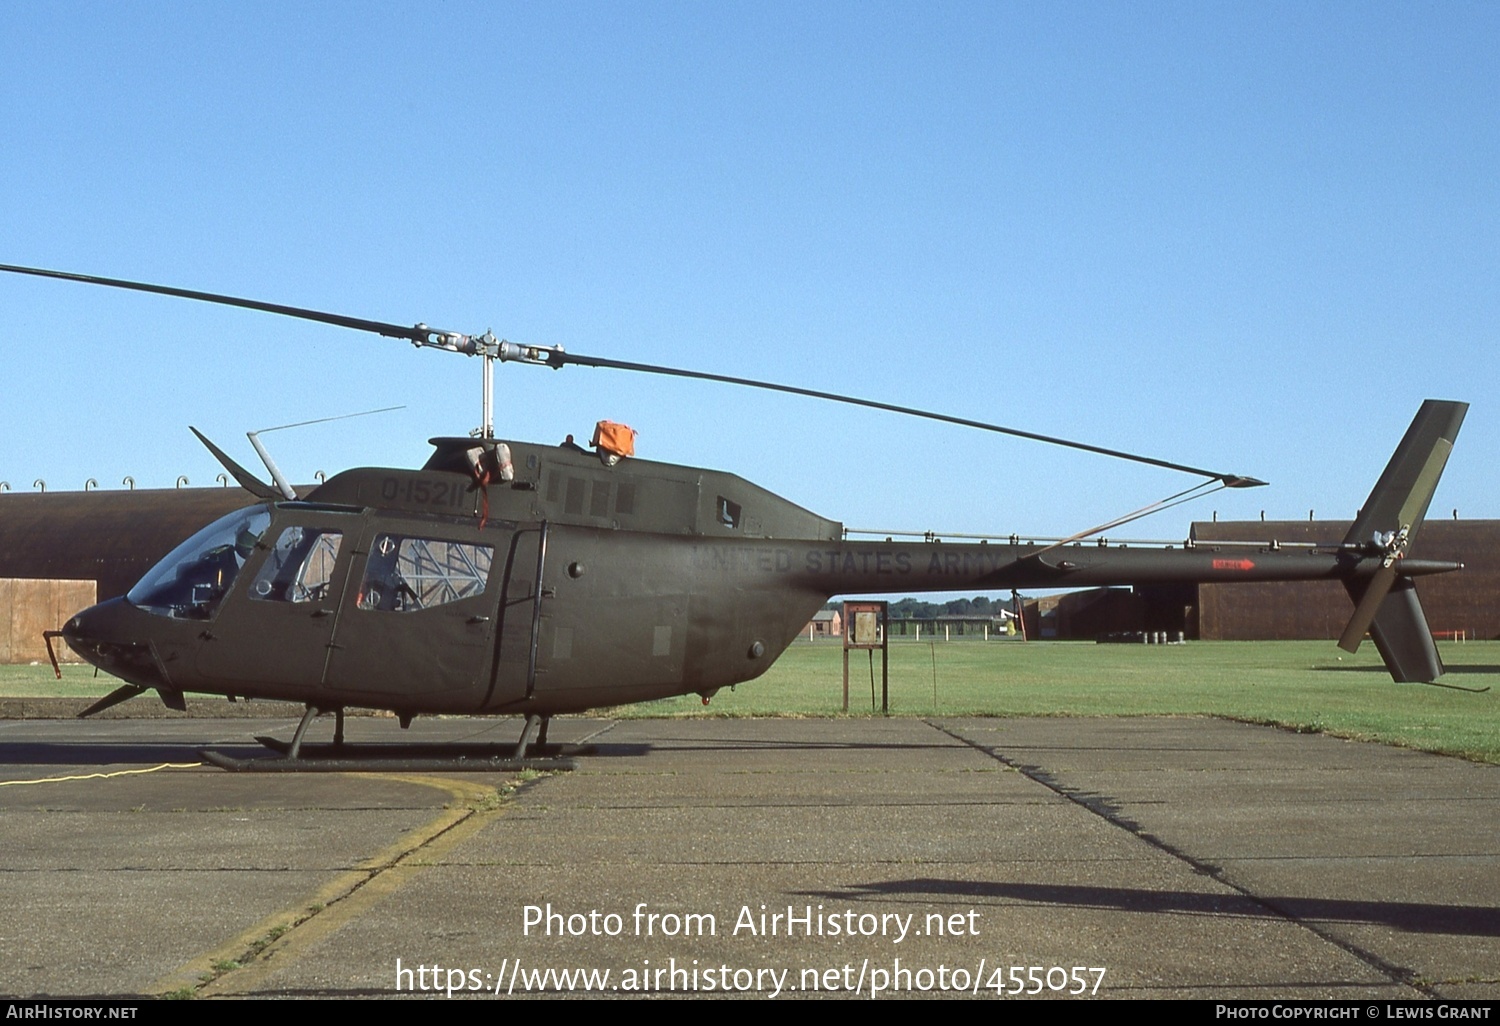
[{"x": 916, "y": 609}]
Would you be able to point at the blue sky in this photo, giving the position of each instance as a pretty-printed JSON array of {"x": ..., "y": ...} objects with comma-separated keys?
[{"x": 1251, "y": 237}]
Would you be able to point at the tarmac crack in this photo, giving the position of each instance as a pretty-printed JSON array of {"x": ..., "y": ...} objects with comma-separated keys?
[{"x": 1110, "y": 810}]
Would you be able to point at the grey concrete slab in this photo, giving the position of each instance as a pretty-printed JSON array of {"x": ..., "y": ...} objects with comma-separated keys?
[
  {"x": 127, "y": 862},
  {"x": 740, "y": 834},
  {"x": 1437, "y": 918},
  {"x": 209, "y": 840},
  {"x": 116, "y": 931},
  {"x": 1191, "y": 938},
  {"x": 1046, "y": 876},
  {"x": 778, "y": 746},
  {"x": 1187, "y": 857},
  {"x": 792, "y": 788},
  {"x": 1392, "y": 853}
]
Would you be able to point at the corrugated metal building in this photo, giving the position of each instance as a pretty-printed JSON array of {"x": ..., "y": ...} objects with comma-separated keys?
[{"x": 111, "y": 538}]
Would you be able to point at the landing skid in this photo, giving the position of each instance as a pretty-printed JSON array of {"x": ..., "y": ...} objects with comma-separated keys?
[
  {"x": 297, "y": 757},
  {"x": 388, "y": 759},
  {"x": 458, "y": 750}
]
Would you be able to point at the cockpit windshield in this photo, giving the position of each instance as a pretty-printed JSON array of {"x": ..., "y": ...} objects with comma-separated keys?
[{"x": 191, "y": 581}]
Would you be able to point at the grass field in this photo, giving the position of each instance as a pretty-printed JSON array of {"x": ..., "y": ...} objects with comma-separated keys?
[{"x": 1307, "y": 685}]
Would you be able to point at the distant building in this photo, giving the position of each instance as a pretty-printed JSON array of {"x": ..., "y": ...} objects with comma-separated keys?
[
  {"x": 826, "y": 623},
  {"x": 1093, "y": 613},
  {"x": 29, "y": 607}
]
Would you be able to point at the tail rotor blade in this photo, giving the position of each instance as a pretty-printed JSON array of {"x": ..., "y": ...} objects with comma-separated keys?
[{"x": 1369, "y": 605}]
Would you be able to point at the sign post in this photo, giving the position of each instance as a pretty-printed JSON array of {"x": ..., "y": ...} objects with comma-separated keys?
[{"x": 865, "y": 627}]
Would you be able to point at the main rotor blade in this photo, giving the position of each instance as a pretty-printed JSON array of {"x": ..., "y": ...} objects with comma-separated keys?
[
  {"x": 423, "y": 335},
  {"x": 409, "y": 333},
  {"x": 559, "y": 358}
]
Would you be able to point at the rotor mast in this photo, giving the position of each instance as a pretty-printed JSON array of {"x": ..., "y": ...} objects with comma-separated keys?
[
  {"x": 490, "y": 349},
  {"x": 487, "y": 399}
]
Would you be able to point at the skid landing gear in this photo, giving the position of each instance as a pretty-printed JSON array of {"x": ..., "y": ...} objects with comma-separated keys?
[
  {"x": 293, "y": 750},
  {"x": 541, "y": 740},
  {"x": 307, "y": 718},
  {"x": 297, "y": 756}
]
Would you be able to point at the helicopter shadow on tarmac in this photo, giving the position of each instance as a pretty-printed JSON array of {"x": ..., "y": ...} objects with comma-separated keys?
[
  {"x": 485, "y": 757},
  {"x": 1415, "y": 917}
]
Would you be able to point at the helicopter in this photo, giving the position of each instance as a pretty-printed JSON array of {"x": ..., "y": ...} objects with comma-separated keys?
[{"x": 506, "y": 577}]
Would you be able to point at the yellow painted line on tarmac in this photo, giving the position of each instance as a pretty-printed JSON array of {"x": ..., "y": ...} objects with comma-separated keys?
[{"x": 279, "y": 939}]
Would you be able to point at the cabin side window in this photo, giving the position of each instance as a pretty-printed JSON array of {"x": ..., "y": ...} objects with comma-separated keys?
[{"x": 407, "y": 575}]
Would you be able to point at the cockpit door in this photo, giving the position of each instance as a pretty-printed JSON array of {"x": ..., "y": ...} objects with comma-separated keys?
[
  {"x": 418, "y": 614},
  {"x": 273, "y": 627}
]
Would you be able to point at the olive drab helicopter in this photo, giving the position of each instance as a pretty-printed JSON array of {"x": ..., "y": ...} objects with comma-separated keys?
[{"x": 511, "y": 578}]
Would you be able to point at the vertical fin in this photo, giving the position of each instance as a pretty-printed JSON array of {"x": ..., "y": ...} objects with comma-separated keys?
[
  {"x": 1386, "y": 604},
  {"x": 1404, "y": 491}
]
